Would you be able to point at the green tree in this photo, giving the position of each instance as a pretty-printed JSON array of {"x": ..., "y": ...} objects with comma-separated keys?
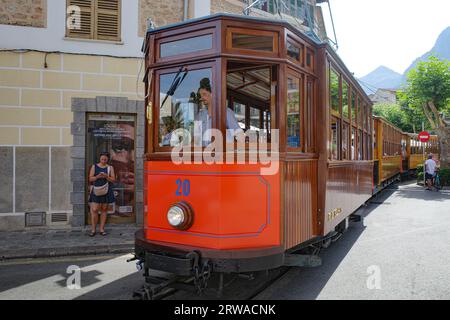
[
  {"x": 414, "y": 117},
  {"x": 428, "y": 90},
  {"x": 394, "y": 114}
]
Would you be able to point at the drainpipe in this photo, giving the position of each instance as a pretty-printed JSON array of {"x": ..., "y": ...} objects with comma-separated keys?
[{"x": 186, "y": 7}]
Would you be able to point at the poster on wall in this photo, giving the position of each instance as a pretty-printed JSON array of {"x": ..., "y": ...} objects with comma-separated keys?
[{"x": 115, "y": 134}]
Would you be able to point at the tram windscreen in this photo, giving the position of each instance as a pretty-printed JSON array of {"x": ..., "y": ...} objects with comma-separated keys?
[{"x": 184, "y": 99}]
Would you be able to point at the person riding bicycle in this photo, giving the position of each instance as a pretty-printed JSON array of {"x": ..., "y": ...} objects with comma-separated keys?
[{"x": 430, "y": 171}]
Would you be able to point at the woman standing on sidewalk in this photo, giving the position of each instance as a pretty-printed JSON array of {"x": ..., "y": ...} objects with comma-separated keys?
[{"x": 101, "y": 193}]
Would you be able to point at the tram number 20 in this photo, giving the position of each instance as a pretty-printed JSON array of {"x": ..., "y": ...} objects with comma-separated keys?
[{"x": 183, "y": 188}]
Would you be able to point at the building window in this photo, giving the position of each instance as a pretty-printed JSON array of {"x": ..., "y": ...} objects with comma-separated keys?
[{"x": 94, "y": 19}]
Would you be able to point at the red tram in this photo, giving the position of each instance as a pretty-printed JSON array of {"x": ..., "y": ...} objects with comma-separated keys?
[{"x": 266, "y": 78}]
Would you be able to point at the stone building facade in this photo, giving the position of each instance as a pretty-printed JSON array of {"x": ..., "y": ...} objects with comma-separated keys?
[
  {"x": 50, "y": 84},
  {"x": 30, "y": 13}
]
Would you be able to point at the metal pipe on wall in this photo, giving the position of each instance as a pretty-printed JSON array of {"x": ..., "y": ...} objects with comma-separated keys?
[{"x": 186, "y": 9}]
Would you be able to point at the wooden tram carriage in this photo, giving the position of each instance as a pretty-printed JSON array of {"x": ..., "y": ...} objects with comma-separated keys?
[
  {"x": 397, "y": 154},
  {"x": 271, "y": 76}
]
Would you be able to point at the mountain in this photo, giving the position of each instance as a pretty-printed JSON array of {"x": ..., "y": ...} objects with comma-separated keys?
[
  {"x": 441, "y": 50},
  {"x": 382, "y": 77},
  {"x": 385, "y": 78}
]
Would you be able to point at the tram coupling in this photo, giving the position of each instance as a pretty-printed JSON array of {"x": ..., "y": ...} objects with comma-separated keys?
[{"x": 139, "y": 262}]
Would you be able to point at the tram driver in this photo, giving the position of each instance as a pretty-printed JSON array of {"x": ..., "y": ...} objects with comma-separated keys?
[{"x": 204, "y": 114}]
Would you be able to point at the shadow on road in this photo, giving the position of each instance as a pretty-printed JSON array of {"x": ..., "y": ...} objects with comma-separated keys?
[{"x": 17, "y": 274}]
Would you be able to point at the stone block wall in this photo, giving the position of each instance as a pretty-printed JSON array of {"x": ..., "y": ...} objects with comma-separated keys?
[
  {"x": 36, "y": 122},
  {"x": 30, "y": 13},
  {"x": 162, "y": 12},
  {"x": 35, "y": 101}
]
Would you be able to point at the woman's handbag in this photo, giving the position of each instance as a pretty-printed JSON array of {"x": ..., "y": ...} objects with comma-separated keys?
[{"x": 102, "y": 190}]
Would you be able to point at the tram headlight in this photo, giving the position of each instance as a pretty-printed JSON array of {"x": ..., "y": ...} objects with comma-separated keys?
[
  {"x": 180, "y": 216},
  {"x": 175, "y": 216}
]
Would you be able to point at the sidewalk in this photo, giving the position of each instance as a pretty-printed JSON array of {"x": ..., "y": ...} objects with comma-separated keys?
[{"x": 41, "y": 243}]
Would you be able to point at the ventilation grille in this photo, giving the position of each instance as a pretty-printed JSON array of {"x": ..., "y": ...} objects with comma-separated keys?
[
  {"x": 59, "y": 217},
  {"x": 35, "y": 219}
]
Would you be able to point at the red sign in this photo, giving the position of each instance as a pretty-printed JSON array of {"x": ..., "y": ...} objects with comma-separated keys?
[{"x": 424, "y": 136}]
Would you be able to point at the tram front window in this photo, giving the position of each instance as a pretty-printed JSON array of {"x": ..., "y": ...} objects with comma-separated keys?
[{"x": 181, "y": 104}]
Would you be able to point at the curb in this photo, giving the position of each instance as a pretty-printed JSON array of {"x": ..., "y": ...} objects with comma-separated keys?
[{"x": 6, "y": 255}]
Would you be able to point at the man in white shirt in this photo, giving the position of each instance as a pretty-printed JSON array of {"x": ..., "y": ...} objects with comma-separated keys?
[
  {"x": 430, "y": 171},
  {"x": 204, "y": 114}
]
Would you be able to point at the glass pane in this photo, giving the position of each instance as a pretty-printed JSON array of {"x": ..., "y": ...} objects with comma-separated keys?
[
  {"x": 239, "y": 113},
  {"x": 310, "y": 116},
  {"x": 359, "y": 114},
  {"x": 360, "y": 145},
  {"x": 293, "y": 51},
  {"x": 309, "y": 59},
  {"x": 184, "y": 46},
  {"x": 353, "y": 107},
  {"x": 345, "y": 133},
  {"x": 182, "y": 104},
  {"x": 293, "y": 113},
  {"x": 334, "y": 92},
  {"x": 252, "y": 42},
  {"x": 345, "y": 111},
  {"x": 115, "y": 134},
  {"x": 334, "y": 139},
  {"x": 353, "y": 143},
  {"x": 255, "y": 119}
]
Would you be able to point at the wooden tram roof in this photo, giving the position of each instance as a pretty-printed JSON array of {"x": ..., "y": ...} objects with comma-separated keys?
[
  {"x": 219, "y": 16},
  {"x": 388, "y": 123},
  {"x": 267, "y": 21}
]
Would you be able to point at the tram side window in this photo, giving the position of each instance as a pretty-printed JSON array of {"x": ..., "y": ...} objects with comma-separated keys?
[
  {"x": 345, "y": 111},
  {"x": 353, "y": 107},
  {"x": 345, "y": 133},
  {"x": 335, "y": 138},
  {"x": 293, "y": 113},
  {"x": 185, "y": 97},
  {"x": 353, "y": 143},
  {"x": 334, "y": 92},
  {"x": 359, "y": 113},
  {"x": 310, "y": 116},
  {"x": 360, "y": 145}
]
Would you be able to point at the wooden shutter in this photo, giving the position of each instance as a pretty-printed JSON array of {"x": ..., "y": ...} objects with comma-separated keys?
[
  {"x": 87, "y": 19},
  {"x": 107, "y": 19}
]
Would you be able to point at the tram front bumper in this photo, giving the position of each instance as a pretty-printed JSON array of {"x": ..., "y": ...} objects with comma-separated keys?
[{"x": 180, "y": 259}]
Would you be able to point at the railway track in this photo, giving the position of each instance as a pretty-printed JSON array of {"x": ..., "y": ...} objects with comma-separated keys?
[{"x": 234, "y": 286}]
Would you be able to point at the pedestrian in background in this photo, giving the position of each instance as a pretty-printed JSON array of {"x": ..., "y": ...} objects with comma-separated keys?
[{"x": 430, "y": 171}]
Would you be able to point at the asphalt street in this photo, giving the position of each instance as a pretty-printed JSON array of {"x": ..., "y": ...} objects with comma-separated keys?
[{"x": 400, "y": 251}]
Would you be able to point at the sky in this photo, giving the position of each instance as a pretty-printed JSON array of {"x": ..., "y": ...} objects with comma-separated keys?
[{"x": 393, "y": 33}]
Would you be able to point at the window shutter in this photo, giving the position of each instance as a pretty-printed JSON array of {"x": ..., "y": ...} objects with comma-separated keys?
[
  {"x": 108, "y": 19},
  {"x": 87, "y": 19}
]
